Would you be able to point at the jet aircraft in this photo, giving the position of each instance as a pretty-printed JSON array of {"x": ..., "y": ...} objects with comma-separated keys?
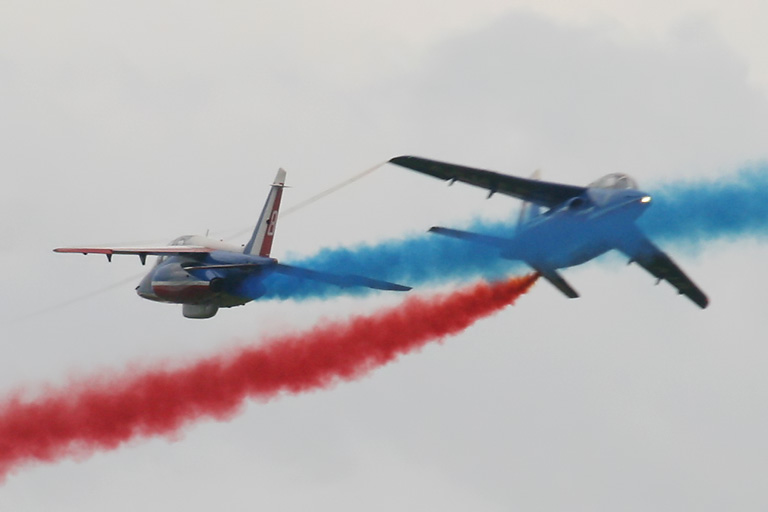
[
  {"x": 577, "y": 225},
  {"x": 204, "y": 274}
]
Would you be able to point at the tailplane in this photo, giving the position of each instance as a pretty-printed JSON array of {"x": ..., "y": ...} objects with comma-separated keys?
[
  {"x": 260, "y": 243},
  {"x": 557, "y": 280},
  {"x": 478, "y": 238}
]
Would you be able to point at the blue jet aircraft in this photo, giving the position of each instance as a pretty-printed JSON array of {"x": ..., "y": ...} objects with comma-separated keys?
[
  {"x": 579, "y": 223},
  {"x": 205, "y": 274}
]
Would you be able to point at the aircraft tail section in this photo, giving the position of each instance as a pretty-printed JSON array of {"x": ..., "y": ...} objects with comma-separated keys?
[
  {"x": 529, "y": 210},
  {"x": 260, "y": 243},
  {"x": 342, "y": 280},
  {"x": 508, "y": 247}
]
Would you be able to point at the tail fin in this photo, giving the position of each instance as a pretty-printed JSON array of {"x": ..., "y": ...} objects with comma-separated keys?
[
  {"x": 529, "y": 210},
  {"x": 261, "y": 241}
]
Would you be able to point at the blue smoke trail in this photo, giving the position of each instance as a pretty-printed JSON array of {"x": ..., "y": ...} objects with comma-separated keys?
[
  {"x": 683, "y": 213},
  {"x": 695, "y": 212},
  {"x": 417, "y": 260}
]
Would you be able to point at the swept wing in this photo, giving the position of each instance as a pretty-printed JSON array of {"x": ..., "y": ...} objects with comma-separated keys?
[
  {"x": 141, "y": 252},
  {"x": 642, "y": 251},
  {"x": 540, "y": 192},
  {"x": 174, "y": 250}
]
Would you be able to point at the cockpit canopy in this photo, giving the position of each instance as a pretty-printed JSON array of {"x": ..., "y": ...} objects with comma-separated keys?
[
  {"x": 616, "y": 181},
  {"x": 182, "y": 240}
]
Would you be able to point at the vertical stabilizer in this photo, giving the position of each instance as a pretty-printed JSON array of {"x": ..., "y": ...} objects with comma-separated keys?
[
  {"x": 261, "y": 241},
  {"x": 529, "y": 210}
]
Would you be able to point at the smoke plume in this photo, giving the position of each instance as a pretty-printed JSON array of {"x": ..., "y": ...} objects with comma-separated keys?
[{"x": 103, "y": 412}]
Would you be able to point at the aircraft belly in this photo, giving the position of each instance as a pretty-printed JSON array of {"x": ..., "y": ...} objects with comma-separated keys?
[
  {"x": 182, "y": 291},
  {"x": 194, "y": 292},
  {"x": 565, "y": 257},
  {"x": 581, "y": 255},
  {"x": 561, "y": 243}
]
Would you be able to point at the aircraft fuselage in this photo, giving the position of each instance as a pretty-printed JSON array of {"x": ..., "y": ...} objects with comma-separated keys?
[
  {"x": 175, "y": 279},
  {"x": 204, "y": 274},
  {"x": 579, "y": 230}
]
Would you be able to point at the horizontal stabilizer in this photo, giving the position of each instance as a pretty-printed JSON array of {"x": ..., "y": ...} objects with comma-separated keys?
[
  {"x": 472, "y": 237},
  {"x": 226, "y": 266},
  {"x": 557, "y": 280},
  {"x": 337, "y": 279}
]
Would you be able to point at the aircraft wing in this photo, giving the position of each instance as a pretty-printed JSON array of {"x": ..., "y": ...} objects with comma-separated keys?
[
  {"x": 540, "y": 192},
  {"x": 141, "y": 252},
  {"x": 342, "y": 280},
  {"x": 654, "y": 260}
]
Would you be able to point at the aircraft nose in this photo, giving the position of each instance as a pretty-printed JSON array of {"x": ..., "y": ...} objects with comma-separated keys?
[
  {"x": 145, "y": 288},
  {"x": 632, "y": 197}
]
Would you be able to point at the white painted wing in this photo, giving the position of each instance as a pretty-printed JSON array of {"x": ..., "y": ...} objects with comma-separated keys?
[{"x": 141, "y": 252}]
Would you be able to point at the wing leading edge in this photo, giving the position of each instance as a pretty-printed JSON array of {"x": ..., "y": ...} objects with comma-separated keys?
[
  {"x": 540, "y": 192},
  {"x": 141, "y": 252},
  {"x": 654, "y": 260}
]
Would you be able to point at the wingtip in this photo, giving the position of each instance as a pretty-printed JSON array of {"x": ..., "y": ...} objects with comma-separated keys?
[
  {"x": 438, "y": 230},
  {"x": 392, "y": 287},
  {"x": 398, "y": 160}
]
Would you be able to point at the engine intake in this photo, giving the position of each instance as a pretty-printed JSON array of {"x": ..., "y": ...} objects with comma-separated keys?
[
  {"x": 577, "y": 203},
  {"x": 216, "y": 285}
]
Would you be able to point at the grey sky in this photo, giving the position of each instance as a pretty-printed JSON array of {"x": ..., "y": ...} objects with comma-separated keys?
[{"x": 141, "y": 123}]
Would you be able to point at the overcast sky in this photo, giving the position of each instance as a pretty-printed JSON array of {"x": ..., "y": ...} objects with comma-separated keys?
[{"x": 138, "y": 123}]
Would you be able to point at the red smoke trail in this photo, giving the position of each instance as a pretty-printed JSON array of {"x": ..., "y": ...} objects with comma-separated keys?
[{"x": 106, "y": 412}]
